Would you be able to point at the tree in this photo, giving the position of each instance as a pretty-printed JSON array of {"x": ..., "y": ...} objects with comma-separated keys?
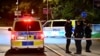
[
  {"x": 7, "y": 8},
  {"x": 62, "y": 9},
  {"x": 73, "y": 8}
]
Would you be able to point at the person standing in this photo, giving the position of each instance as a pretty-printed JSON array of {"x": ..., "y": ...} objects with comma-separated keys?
[
  {"x": 78, "y": 33},
  {"x": 68, "y": 33},
  {"x": 88, "y": 32}
]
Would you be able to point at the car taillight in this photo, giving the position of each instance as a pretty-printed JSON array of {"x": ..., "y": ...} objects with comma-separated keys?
[
  {"x": 41, "y": 36},
  {"x": 13, "y": 37},
  {"x": 27, "y": 20}
]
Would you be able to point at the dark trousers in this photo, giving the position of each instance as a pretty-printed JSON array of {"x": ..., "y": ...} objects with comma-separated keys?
[
  {"x": 68, "y": 44},
  {"x": 88, "y": 44},
  {"x": 78, "y": 46}
]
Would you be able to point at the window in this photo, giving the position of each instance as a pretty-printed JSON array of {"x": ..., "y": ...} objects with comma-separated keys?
[
  {"x": 59, "y": 23},
  {"x": 48, "y": 24},
  {"x": 27, "y": 26}
]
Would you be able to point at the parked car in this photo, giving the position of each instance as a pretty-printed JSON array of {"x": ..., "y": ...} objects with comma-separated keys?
[{"x": 55, "y": 28}]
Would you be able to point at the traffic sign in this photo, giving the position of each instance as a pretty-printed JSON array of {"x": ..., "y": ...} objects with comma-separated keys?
[
  {"x": 17, "y": 13},
  {"x": 84, "y": 14}
]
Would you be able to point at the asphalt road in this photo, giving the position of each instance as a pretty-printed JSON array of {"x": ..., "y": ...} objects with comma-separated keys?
[{"x": 5, "y": 46}]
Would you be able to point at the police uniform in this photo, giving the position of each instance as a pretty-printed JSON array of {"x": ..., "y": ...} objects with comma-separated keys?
[
  {"x": 68, "y": 30},
  {"x": 88, "y": 35},
  {"x": 78, "y": 33}
]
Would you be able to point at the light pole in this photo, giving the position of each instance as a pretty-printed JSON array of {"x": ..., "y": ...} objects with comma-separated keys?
[
  {"x": 17, "y": 12},
  {"x": 47, "y": 9},
  {"x": 17, "y": 5}
]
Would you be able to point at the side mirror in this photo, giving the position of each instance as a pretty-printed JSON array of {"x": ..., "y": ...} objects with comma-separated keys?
[{"x": 9, "y": 29}]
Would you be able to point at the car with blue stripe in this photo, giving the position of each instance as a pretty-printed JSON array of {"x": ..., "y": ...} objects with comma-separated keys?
[
  {"x": 27, "y": 33},
  {"x": 55, "y": 28}
]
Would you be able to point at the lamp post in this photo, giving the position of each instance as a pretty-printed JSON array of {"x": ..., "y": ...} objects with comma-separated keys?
[
  {"x": 47, "y": 9},
  {"x": 17, "y": 12},
  {"x": 17, "y": 5}
]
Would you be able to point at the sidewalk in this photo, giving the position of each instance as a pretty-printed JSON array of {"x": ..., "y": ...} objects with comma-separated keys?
[
  {"x": 95, "y": 48},
  {"x": 4, "y": 49}
]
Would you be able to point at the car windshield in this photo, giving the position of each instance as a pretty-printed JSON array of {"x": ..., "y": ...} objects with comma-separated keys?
[
  {"x": 59, "y": 23},
  {"x": 48, "y": 24},
  {"x": 27, "y": 26}
]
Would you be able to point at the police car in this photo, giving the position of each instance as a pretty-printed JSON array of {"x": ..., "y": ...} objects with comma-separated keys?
[
  {"x": 27, "y": 33},
  {"x": 55, "y": 28}
]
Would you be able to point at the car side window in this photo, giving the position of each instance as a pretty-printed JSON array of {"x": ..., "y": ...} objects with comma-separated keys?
[
  {"x": 48, "y": 24},
  {"x": 59, "y": 23}
]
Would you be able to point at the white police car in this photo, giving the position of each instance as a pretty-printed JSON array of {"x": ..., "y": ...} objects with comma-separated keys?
[
  {"x": 55, "y": 28},
  {"x": 27, "y": 33}
]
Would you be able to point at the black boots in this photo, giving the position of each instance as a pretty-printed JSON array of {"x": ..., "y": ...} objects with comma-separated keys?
[
  {"x": 68, "y": 52},
  {"x": 88, "y": 51}
]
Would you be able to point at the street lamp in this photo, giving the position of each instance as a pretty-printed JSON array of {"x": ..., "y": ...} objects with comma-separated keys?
[
  {"x": 32, "y": 12},
  {"x": 47, "y": 9}
]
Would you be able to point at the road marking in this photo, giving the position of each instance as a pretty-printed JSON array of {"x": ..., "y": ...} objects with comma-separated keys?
[{"x": 54, "y": 50}]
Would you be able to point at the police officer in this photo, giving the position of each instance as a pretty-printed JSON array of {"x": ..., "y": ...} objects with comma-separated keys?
[
  {"x": 78, "y": 33},
  {"x": 88, "y": 32},
  {"x": 68, "y": 30}
]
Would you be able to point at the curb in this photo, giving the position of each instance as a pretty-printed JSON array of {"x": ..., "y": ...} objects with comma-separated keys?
[{"x": 54, "y": 50}]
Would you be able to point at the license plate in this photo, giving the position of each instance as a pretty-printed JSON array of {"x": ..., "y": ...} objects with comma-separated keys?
[{"x": 27, "y": 43}]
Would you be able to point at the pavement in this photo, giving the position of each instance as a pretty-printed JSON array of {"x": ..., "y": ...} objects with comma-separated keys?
[
  {"x": 3, "y": 49},
  {"x": 5, "y": 44},
  {"x": 95, "y": 48}
]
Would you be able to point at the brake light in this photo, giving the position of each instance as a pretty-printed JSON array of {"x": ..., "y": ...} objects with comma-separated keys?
[
  {"x": 41, "y": 36},
  {"x": 27, "y": 20},
  {"x": 13, "y": 37}
]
